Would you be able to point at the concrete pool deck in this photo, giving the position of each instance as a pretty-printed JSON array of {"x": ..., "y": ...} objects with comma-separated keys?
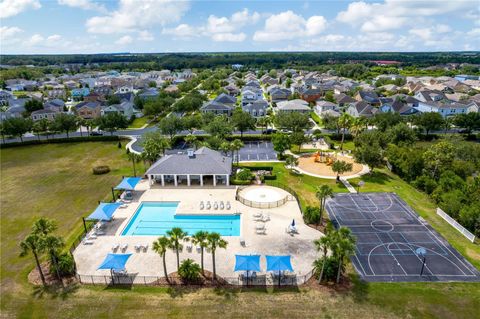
[{"x": 276, "y": 241}]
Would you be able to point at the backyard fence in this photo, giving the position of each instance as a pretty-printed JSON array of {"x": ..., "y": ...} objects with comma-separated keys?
[
  {"x": 455, "y": 224},
  {"x": 134, "y": 280}
]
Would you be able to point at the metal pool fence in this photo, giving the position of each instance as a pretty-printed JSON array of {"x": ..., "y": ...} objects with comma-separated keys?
[
  {"x": 135, "y": 280},
  {"x": 293, "y": 195}
]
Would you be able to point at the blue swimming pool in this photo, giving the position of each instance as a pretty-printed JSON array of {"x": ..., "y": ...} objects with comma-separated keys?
[{"x": 156, "y": 218}]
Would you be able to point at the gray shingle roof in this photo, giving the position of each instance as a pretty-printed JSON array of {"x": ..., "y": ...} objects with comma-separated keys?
[{"x": 205, "y": 162}]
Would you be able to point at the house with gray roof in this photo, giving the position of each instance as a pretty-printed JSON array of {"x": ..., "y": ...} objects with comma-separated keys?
[
  {"x": 125, "y": 108},
  {"x": 216, "y": 108},
  {"x": 226, "y": 99},
  {"x": 361, "y": 108},
  {"x": 296, "y": 105},
  {"x": 256, "y": 108},
  {"x": 201, "y": 167},
  {"x": 44, "y": 114}
]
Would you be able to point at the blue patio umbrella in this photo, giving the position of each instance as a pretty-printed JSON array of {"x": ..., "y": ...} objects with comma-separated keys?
[
  {"x": 279, "y": 263},
  {"x": 114, "y": 261},
  {"x": 104, "y": 211},
  {"x": 247, "y": 263},
  {"x": 128, "y": 183}
]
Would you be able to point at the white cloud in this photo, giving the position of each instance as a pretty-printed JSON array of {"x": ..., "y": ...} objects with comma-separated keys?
[
  {"x": 133, "y": 15},
  {"x": 229, "y": 37},
  {"x": 443, "y": 28},
  {"x": 126, "y": 39},
  {"x": 7, "y": 33},
  {"x": 35, "y": 39},
  {"x": 219, "y": 29},
  {"x": 289, "y": 25},
  {"x": 145, "y": 36},
  {"x": 394, "y": 14},
  {"x": 82, "y": 4},
  {"x": 423, "y": 33},
  {"x": 182, "y": 31},
  {"x": 474, "y": 32},
  {"x": 10, "y": 8}
]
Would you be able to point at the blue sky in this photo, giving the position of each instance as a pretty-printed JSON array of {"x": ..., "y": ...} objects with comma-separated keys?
[{"x": 88, "y": 26}]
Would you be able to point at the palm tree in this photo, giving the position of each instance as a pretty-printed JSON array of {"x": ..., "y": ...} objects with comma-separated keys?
[
  {"x": 341, "y": 167},
  {"x": 225, "y": 147},
  {"x": 52, "y": 244},
  {"x": 215, "y": 241},
  {"x": 344, "y": 122},
  {"x": 344, "y": 247},
  {"x": 191, "y": 139},
  {"x": 323, "y": 192},
  {"x": 177, "y": 235},
  {"x": 135, "y": 158},
  {"x": 291, "y": 161},
  {"x": 236, "y": 146},
  {"x": 357, "y": 126},
  {"x": 32, "y": 243},
  {"x": 160, "y": 246},
  {"x": 200, "y": 239},
  {"x": 44, "y": 226}
]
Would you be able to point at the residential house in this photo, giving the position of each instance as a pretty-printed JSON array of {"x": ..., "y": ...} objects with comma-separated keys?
[
  {"x": 369, "y": 97},
  {"x": 232, "y": 90},
  {"x": 226, "y": 99},
  {"x": 251, "y": 94},
  {"x": 56, "y": 94},
  {"x": 103, "y": 90},
  {"x": 296, "y": 105},
  {"x": 54, "y": 105},
  {"x": 172, "y": 89},
  {"x": 89, "y": 110},
  {"x": 125, "y": 108},
  {"x": 94, "y": 97},
  {"x": 343, "y": 99},
  {"x": 148, "y": 94},
  {"x": 216, "y": 108},
  {"x": 361, "y": 108},
  {"x": 80, "y": 92},
  {"x": 5, "y": 96},
  {"x": 322, "y": 106},
  {"x": 126, "y": 97},
  {"x": 429, "y": 96},
  {"x": 257, "y": 108},
  {"x": 444, "y": 108},
  {"x": 278, "y": 94},
  {"x": 124, "y": 89},
  {"x": 12, "y": 112},
  {"x": 311, "y": 95},
  {"x": 44, "y": 114}
]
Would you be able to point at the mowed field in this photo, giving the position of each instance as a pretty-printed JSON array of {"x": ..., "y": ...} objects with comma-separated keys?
[{"x": 56, "y": 181}]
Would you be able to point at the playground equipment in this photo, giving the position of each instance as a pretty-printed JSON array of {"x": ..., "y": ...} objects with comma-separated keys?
[{"x": 323, "y": 157}]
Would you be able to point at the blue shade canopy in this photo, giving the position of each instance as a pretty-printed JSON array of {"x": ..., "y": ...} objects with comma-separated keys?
[
  {"x": 128, "y": 183},
  {"x": 247, "y": 262},
  {"x": 115, "y": 261},
  {"x": 279, "y": 263},
  {"x": 104, "y": 211}
]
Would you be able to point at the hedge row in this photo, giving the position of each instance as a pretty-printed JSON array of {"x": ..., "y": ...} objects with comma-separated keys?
[
  {"x": 62, "y": 140},
  {"x": 240, "y": 182}
]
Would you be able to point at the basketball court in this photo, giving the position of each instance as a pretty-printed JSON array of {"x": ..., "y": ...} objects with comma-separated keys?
[{"x": 393, "y": 241}]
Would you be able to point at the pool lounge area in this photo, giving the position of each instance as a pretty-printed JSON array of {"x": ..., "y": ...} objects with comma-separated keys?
[{"x": 180, "y": 206}]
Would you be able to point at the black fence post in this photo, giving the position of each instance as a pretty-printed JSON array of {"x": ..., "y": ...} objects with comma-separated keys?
[{"x": 84, "y": 225}]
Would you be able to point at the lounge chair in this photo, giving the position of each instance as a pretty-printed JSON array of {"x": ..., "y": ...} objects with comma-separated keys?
[
  {"x": 124, "y": 205},
  {"x": 257, "y": 214},
  {"x": 228, "y": 206},
  {"x": 115, "y": 247},
  {"x": 124, "y": 247},
  {"x": 199, "y": 249},
  {"x": 258, "y": 218},
  {"x": 242, "y": 242},
  {"x": 92, "y": 236},
  {"x": 99, "y": 232},
  {"x": 137, "y": 248},
  {"x": 145, "y": 248},
  {"x": 261, "y": 231},
  {"x": 266, "y": 217},
  {"x": 202, "y": 206},
  {"x": 87, "y": 241},
  {"x": 215, "y": 205},
  {"x": 209, "y": 206},
  {"x": 222, "y": 207},
  {"x": 189, "y": 247},
  {"x": 260, "y": 226}
]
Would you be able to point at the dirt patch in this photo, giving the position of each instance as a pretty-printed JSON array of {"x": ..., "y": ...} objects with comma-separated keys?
[
  {"x": 308, "y": 164},
  {"x": 50, "y": 279}
]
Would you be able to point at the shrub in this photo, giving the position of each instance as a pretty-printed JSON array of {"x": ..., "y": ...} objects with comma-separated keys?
[
  {"x": 329, "y": 270},
  {"x": 66, "y": 265},
  {"x": 189, "y": 271},
  {"x": 239, "y": 182},
  {"x": 99, "y": 170},
  {"x": 311, "y": 215},
  {"x": 244, "y": 175},
  {"x": 270, "y": 177}
]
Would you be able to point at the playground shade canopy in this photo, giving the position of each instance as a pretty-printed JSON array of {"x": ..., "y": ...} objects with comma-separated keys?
[
  {"x": 279, "y": 263},
  {"x": 115, "y": 262},
  {"x": 247, "y": 263},
  {"x": 128, "y": 183},
  {"x": 104, "y": 211}
]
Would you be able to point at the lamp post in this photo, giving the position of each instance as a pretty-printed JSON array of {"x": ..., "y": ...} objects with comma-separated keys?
[
  {"x": 422, "y": 252},
  {"x": 360, "y": 184}
]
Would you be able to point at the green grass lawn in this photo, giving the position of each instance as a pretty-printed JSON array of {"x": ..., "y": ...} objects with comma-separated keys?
[
  {"x": 139, "y": 122},
  {"x": 56, "y": 181}
]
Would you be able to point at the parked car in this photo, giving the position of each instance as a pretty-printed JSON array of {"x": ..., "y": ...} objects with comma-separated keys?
[
  {"x": 96, "y": 133},
  {"x": 269, "y": 131}
]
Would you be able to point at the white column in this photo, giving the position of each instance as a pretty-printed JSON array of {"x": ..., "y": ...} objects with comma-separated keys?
[
  {"x": 188, "y": 179},
  {"x": 163, "y": 180},
  {"x": 201, "y": 180},
  {"x": 149, "y": 180},
  {"x": 214, "y": 180},
  {"x": 228, "y": 180},
  {"x": 175, "y": 180}
]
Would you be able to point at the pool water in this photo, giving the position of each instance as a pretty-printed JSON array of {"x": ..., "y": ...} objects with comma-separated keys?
[{"x": 156, "y": 218}]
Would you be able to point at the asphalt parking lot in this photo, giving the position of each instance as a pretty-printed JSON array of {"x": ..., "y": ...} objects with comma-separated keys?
[{"x": 257, "y": 151}]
